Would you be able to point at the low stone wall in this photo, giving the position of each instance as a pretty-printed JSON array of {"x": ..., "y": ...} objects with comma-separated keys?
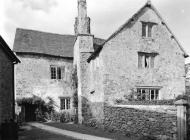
[{"x": 141, "y": 120}]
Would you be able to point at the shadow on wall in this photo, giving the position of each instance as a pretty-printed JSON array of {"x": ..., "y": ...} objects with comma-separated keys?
[
  {"x": 188, "y": 121},
  {"x": 92, "y": 113}
]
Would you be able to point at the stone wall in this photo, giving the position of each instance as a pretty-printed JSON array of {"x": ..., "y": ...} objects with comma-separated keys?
[
  {"x": 187, "y": 71},
  {"x": 155, "y": 121},
  {"x": 33, "y": 77},
  {"x": 6, "y": 87}
]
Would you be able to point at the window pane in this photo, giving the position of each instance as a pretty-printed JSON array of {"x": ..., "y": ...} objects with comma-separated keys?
[
  {"x": 53, "y": 73},
  {"x": 139, "y": 60},
  {"x": 152, "y": 94},
  {"x": 58, "y": 73},
  {"x": 143, "y": 29},
  {"x": 67, "y": 103},
  {"x": 150, "y": 30},
  {"x": 62, "y": 103},
  {"x": 143, "y": 96},
  {"x": 147, "y": 61},
  {"x": 157, "y": 94}
]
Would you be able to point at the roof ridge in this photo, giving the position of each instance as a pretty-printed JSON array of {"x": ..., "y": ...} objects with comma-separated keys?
[{"x": 46, "y": 32}]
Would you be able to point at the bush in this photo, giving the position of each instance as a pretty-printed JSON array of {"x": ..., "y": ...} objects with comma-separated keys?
[
  {"x": 43, "y": 110},
  {"x": 65, "y": 117},
  {"x": 184, "y": 97}
]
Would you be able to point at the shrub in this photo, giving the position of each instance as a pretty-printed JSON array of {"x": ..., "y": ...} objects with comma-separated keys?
[
  {"x": 43, "y": 109},
  {"x": 65, "y": 117},
  {"x": 184, "y": 97}
]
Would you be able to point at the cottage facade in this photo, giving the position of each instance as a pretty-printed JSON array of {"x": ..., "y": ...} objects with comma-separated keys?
[
  {"x": 46, "y": 69},
  {"x": 141, "y": 61},
  {"x": 7, "y": 62}
]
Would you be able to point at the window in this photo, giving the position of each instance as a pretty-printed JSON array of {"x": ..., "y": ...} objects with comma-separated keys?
[
  {"x": 65, "y": 103},
  {"x": 148, "y": 94},
  {"x": 147, "y": 29},
  {"x": 146, "y": 60},
  {"x": 57, "y": 72}
]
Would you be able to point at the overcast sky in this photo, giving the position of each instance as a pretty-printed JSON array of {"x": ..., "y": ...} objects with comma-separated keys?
[{"x": 57, "y": 16}]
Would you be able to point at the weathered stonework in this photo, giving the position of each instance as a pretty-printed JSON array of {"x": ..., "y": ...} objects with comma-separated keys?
[
  {"x": 113, "y": 72},
  {"x": 187, "y": 82},
  {"x": 120, "y": 60},
  {"x": 33, "y": 77},
  {"x": 159, "y": 122}
]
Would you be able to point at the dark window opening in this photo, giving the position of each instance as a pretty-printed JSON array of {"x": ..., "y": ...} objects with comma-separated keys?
[
  {"x": 146, "y": 60},
  {"x": 147, "y": 29}
]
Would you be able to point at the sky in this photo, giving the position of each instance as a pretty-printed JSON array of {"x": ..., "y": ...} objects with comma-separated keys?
[{"x": 57, "y": 16}]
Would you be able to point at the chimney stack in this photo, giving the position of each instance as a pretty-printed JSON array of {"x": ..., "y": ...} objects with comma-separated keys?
[{"x": 82, "y": 22}]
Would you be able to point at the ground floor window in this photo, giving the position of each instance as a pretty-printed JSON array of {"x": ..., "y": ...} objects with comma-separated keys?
[
  {"x": 148, "y": 93},
  {"x": 65, "y": 103}
]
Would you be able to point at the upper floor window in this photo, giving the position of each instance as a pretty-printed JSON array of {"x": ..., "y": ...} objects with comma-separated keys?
[
  {"x": 148, "y": 94},
  {"x": 147, "y": 29},
  {"x": 57, "y": 72},
  {"x": 146, "y": 60},
  {"x": 65, "y": 103}
]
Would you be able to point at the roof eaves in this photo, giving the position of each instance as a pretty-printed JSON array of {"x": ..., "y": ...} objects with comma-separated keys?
[
  {"x": 44, "y": 54},
  {"x": 9, "y": 52}
]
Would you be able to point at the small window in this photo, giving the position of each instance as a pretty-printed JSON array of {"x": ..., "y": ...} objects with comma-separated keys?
[
  {"x": 53, "y": 72},
  {"x": 147, "y": 29},
  {"x": 146, "y": 60},
  {"x": 148, "y": 94},
  {"x": 65, "y": 103},
  {"x": 57, "y": 72}
]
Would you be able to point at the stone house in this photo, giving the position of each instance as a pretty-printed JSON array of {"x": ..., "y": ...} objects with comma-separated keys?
[
  {"x": 7, "y": 62},
  {"x": 143, "y": 56},
  {"x": 141, "y": 61},
  {"x": 46, "y": 68}
]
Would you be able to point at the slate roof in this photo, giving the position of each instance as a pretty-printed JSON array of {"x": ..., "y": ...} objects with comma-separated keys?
[
  {"x": 128, "y": 23},
  {"x": 8, "y": 51},
  {"x": 37, "y": 42}
]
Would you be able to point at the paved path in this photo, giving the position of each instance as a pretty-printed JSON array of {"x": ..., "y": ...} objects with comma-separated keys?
[{"x": 66, "y": 132}]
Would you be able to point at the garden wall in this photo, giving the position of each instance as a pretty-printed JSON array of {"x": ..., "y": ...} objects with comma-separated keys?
[{"x": 142, "y": 120}]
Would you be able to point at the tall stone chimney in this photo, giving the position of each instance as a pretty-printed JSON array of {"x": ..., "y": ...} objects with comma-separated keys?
[
  {"x": 82, "y": 51},
  {"x": 82, "y": 22}
]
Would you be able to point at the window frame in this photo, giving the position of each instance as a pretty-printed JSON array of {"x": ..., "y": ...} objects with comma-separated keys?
[
  {"x": 58, "y": 73},
  {"x": 146, "y": 60},
  {"x": 148, "y": 97},
  {"x": 65, "y": 103},
  {"x": 147, "y": 28}
]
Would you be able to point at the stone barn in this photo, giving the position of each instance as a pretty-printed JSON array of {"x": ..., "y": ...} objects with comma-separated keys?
[{"x": 7, "y": 98}]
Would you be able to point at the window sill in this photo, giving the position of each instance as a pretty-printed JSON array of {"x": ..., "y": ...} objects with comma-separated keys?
[{"x": 148, "y": 39}]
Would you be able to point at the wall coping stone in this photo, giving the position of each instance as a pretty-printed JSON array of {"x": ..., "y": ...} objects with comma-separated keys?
[
  {"x": 169, "y": 109},
  {"x": 181, "y": 102}
]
